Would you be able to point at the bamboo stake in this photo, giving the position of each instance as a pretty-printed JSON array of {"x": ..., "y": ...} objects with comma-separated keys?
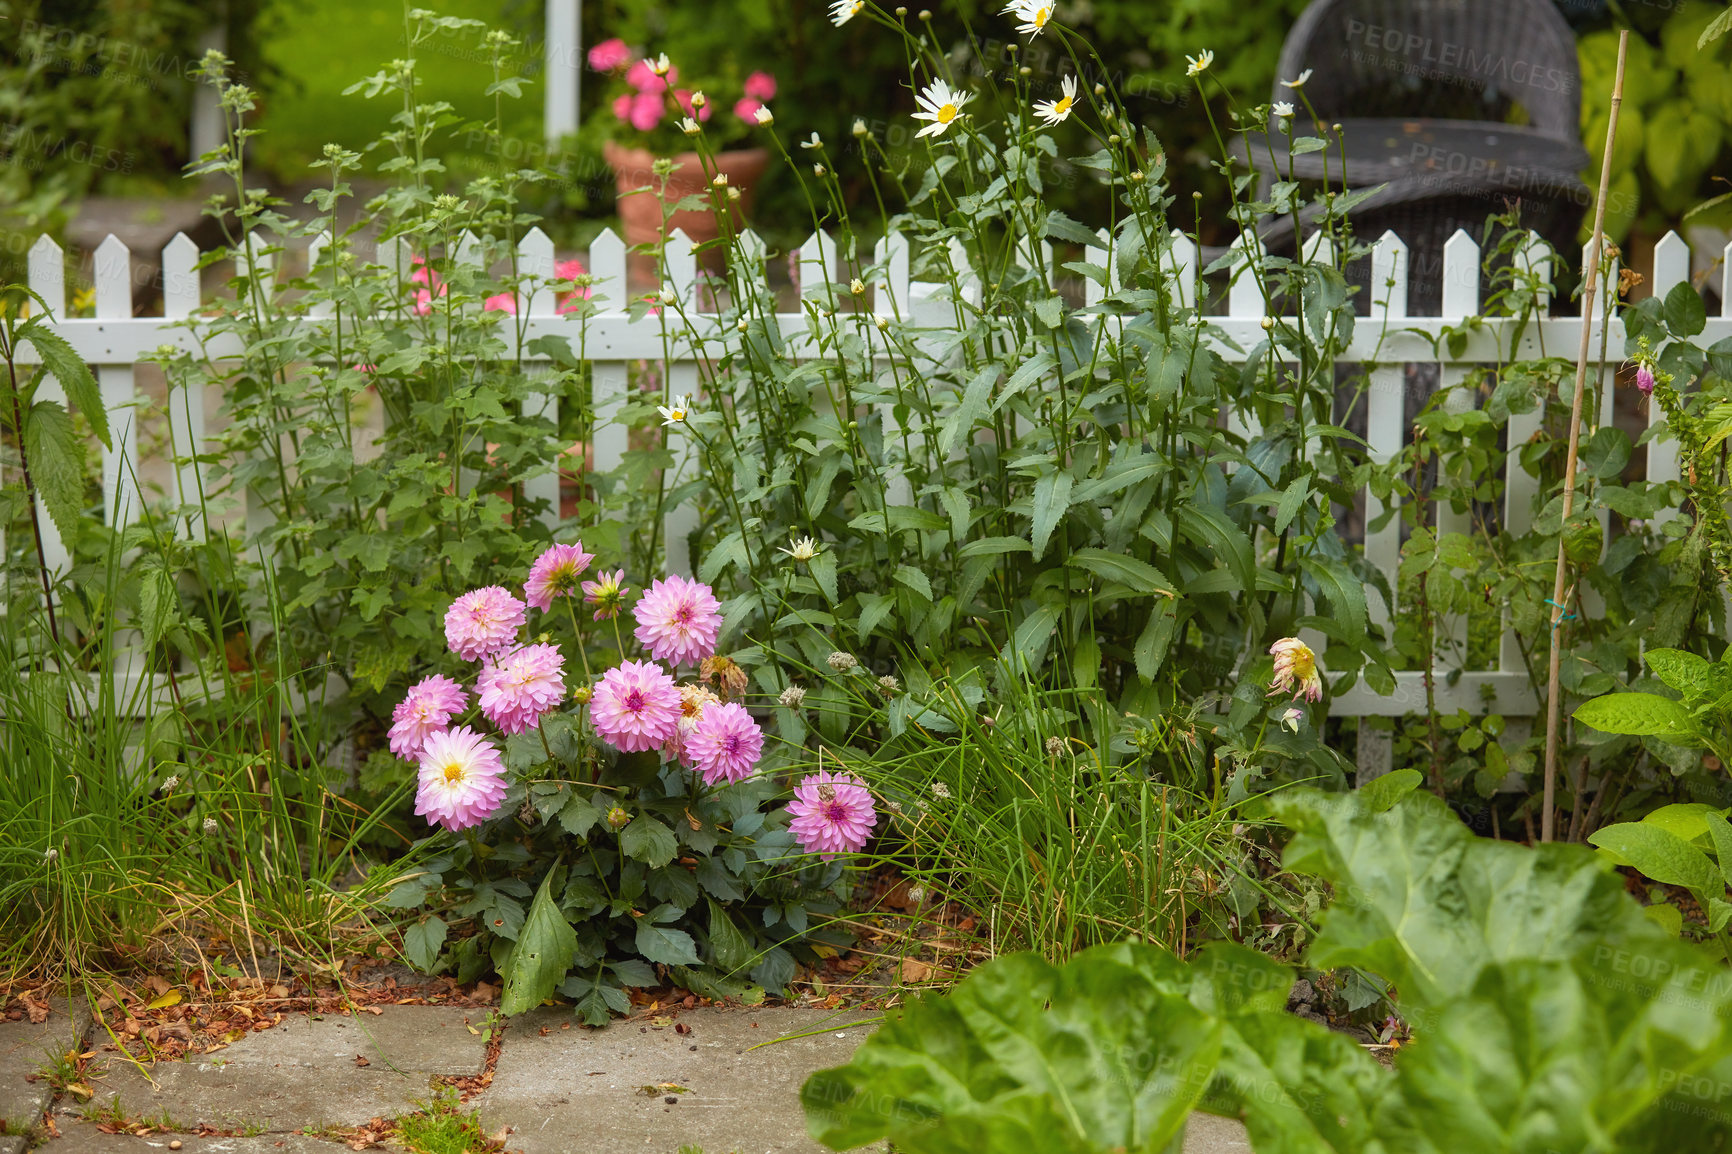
[{"x": 1554, "y": 698}]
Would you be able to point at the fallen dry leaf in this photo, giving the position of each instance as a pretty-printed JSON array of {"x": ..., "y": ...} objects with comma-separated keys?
[
  {"x": 915, "y": 971},
  {"x": 362, "y": 1062}
]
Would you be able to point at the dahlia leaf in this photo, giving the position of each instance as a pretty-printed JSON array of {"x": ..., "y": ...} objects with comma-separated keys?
[
  {"x": 669, "y": 947},
  {"x": 545, "y": 947},
  {"x": 649, "y": 841}
]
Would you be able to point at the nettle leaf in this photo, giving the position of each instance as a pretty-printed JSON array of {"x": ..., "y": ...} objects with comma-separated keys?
[
  {"x": 545, "y": 947},
  {"x": 1138, "y": 575},
  {"x": 56, "y": 464},
  {"x": 1660, "y": 854},
  {"x": 1051, "y": 499},
  {"x": 1642, "y": 714},
  {"x": 63, "y": 362},
  {"x": 422, "y": 943},
  {"x": 649, "y": 841}
]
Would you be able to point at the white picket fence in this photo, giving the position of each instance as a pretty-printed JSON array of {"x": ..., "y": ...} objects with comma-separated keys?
[{"x": 113, "y": 341}]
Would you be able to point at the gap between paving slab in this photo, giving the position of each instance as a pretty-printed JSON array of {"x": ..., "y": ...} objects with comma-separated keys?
[{"x": 25, "y": 1048}]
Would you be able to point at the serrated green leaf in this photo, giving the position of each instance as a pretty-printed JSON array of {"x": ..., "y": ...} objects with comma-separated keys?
[
  {"x": 1051, "y": 499},
  {"x": 669, "y": 947},
  {"x": 61, "y": 360},
  {"x": 649, "y": 841},
  {"x": 56, "y": 465},
  {"x": 1110, "y": 566},
  {"x": 422, "y": 943},
  {"x": 730, "y": 951}
]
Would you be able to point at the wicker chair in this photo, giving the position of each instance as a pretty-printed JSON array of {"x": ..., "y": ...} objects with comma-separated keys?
[{"x": 1507, "y": 67}]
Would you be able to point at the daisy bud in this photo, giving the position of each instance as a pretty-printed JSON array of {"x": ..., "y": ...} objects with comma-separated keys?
[
  {"x": 926, "y": 14},
  {"x": 817, "y": 170},
  {"x": 1115, "y": 138},
  {"x": 860, "y": 128},
  {"x": 699, "y": 100},
  {"x": 667, "y": 296},
  {"x": 1268, "y": 323},
  {"x": 50, "y": 854},
  {"x": 901, "y": 11},
  {"x": 742, "y": 325},
  {"x": 793, "y": 697},
  {"x": 733, "y": 193},
  {"x": 883, "y": 324},
  {"x": 857, "y": 287},
  {"x": 1100, "y": 90},
  {"x": 689, "y": 127},
  {"x": 720, "y": 180},
  {"x": 763, "y": 115},
  {"x": 1025, "y": 70},
  {"x": 1138, "y": 175}
]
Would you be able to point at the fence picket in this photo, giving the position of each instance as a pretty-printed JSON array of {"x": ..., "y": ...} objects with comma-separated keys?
[
  {"x": 119, "y": 392},
  {"x": 48, "y": 274},
  {"x": 1671, "y": 268}
]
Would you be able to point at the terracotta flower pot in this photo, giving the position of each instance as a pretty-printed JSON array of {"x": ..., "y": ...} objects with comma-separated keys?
[{"x": 641, "y": 212}]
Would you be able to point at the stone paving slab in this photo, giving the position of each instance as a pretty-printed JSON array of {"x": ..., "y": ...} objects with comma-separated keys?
[
  {"x": 26, "y": 1048},
  {"x": 575, "y": 1089},
  {"x": 303, "y": 1072}
]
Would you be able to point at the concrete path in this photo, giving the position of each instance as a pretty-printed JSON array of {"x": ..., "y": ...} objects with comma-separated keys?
[{"x": 725, "y": 1080}]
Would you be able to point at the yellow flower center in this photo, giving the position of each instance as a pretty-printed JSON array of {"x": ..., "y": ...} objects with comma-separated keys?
[
  {"x": 1041, "y": 16},
  {"x": 1061, "y": 107},
  {"x": 454, "y": 771},
  {"x": 947, "y": 114},
  {"x": 1304, "y": 663}
]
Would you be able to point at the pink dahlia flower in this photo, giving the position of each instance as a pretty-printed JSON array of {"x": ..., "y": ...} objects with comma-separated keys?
[
  {"x": 635, "y": 706},
  {"x": 678, "y": 620},
  {"x": 482, "y": 622},
  {"x": 425, "y": 710},
  {"x": 518, "y": 688},
  {"x": 760, "y": 86},
  {"x": 462, "y": 779},
  {"x": 622, "y": 106},
  {"x": 747, "y": 109},
  {"x": 555, "y": 574},
  {"x": 609, "y": 55},
  {"x": 1295, "y": 670},
  {"x": 726, "y": 744},
  {"x": 643, "y": 78},
  {"x": 833, "y": 814},
  {"x": 505, "y": 302},
  {"x": 607, "y": 594}
]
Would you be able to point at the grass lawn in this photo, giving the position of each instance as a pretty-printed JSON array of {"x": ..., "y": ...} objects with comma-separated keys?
[{"x": 331, "y": 44}]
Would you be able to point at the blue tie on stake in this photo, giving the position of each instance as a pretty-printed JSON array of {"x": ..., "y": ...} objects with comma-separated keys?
[{"x": 1562, "y": 617}]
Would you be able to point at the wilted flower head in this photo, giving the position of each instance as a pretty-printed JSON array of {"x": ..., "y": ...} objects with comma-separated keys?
[
  {"x": 555, "y": 574},
  {"x": 889, "y": 684},
  {"x": 606, "y": 594},
  {"x": 694, "y": 699},
  {"x": 425, "y": 710},
  {"x": 482, "y": 622},
  {"x": 635, "y": 707},
  {"x": 461, "y": 779},
  {"x": 210, "y": 826},
  {"x": 940, "y": 791},
  {"x": 833, "y": 814},
  {"x": 518, "y": 688},
  {"x": 842, "y": 662},
  {"x": 725, "y": 744},
  {"x": 169, "y": 782},
  {"x": 793, "y": 697},
  {"x": 1292, "y": 718},
  {"x": 726, "y": 673},
  {"x": 678, "y": 620},
  {"x": 1054, "y": 746},
  {"x": 1295, "y": 670}
]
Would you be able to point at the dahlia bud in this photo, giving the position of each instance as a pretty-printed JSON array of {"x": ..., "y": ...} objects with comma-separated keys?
[
  {"x": 618, "y": 818},
  {"x": 582, "y": 694}
]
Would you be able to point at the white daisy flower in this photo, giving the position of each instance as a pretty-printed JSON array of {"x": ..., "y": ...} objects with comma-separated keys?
[
  {"x": 1283, "y": 109},
  {"x": 689, "y": 127},
  {"x": 675, "y": 414},
  {"x": 1299, "y": 83},
  {"x": 1055, "y": 111},
  {"x": 842, "y": 11},
  {"x": 940, "y": 104},
  {"x": 803, "y": 549},
  {"x": 815, "y": 142},
  {"x": 1199, "y": 64},
  {"x": 659, "y": 65},
  {"x": 1034, "y": 15},
  {"x": 763, "y": 115}
]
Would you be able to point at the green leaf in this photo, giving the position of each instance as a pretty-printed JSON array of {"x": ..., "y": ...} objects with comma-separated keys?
[
  {"x": 1051, "y": 499},
  {"x": 1685, "y": 313},
  {"x": 1680, "y": 669},
  {"x": 669, "y": 947},
  {"x": 1291, "y": 502},
  {"x": 1104, "y": 1053},
  {"x": 1661, "y": 855},
  {"x": 1668, "y": 917},
  {"x": 914, "y": 579},
  {"x": 1720, "y": 832},
  {"x": 545, "y": 947},
  {"x": 649, "y": 841},
  {"x": 60, "y": 359},
  {"x": 1381, "y": 793},
  {"x": 730, "y": 951},
  {"x": 991, "y": 546},
  {"x": 823, "y": 570},
  {"x": 56, "y": 465},
  {"x": 1157, "y": 636},
  {"x": 1138, "y": 575},
  {"x": 158, "y": 604},
  {"x": 1345, "y": 591},
  {"x": 1642, "y": 714},
  {"x": 422, "y": 943},
  {"x": 1688, "y": 820},
  {"x": 579, "y": 815}
]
